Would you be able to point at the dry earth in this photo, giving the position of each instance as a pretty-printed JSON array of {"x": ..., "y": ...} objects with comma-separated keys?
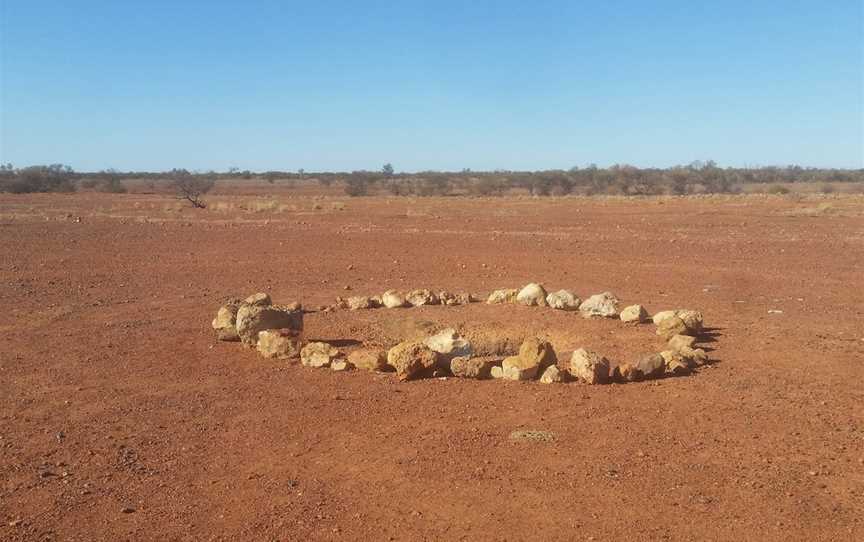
[{"x": 121, "y": 417}]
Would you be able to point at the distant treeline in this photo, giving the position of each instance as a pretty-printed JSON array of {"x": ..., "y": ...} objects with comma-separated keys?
[{"x": 698, "y": 177}]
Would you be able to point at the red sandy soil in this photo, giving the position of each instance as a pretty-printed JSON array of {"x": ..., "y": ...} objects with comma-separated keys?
[{"x": 122, "y": 418}]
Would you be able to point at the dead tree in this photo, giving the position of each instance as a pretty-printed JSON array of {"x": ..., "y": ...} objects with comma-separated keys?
[{"x": 191, "y": 187}]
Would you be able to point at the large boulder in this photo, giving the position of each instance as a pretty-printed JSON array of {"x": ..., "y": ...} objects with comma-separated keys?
[
  {"x": 534, "y": 356},
  {"x": 669, "y": 327},
  {"x": 448, "y": 344},
  {"x": 468, "y": 367},
  {"x": 420, "y": 297},
  {"x": 318, "y": 354},
  {"x": 253, "y": 319},
  {"x": 563, "y": 300},
  {"x": 532, "y": 295},
  {"x": 412, "y": 359},
  {"x": 279, "y": 343},
  {"x": 589, "y": 367},
  {"x": 393, "y": 299},
  {"x": 368, "y": 359},
  {"x": 225, "y": 322},
  {"x": 634, "y": 314},
  {"x": 506, "y": 295},
  {"x": 600, "y": 305}
]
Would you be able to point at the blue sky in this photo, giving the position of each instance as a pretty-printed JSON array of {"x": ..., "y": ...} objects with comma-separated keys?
[{"x": 430, "y": 85}]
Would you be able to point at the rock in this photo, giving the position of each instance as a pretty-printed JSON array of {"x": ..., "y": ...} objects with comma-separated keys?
[
  {"x": 449, "y": 344},
  {"x": 669, "y": 327},
  {"x": 447, "y": 298},
  {"x": 600, "y": 305},
  {"x": 420, "y": 297},
  {"x": 412, "y": 359},
  {"x": 650, "y": 366},
  {"x": 340, "y": 364},
  {"x": 634, "y": 314},
  {"x": 393, "y": 299},
  {"x": 563, "y": 300},
  {"x": 259, "y": 300},
  {"x": 468, "y": 367},
  {"x": 252, "y": 319},
  {"x": 532, "y": 295},
  {"x": 677, "y": 342},
  {"x": 533, "y": 435},
  {"x": 368, "y": 359},
  {"x": 662, "y": 315},
  {"x": 676, "y": 364},
  {"x": 692, "y": 319},
  {"x": 463, "y": 298},
  {"x": 294, "y": 306},
  {"x": 360, "y": 302},
  {"x": 534, "y": 356},
  {"x": 318, "y": 354},
  {"x": 225, "y": 322},
  {"x": 551, "y": 375},
  {"x": 496, "y": 372},
  {"x": 623, "y": 373},
  {"x": 279, "y": 343},
  {"x": 589, "y": 367},
  {"x": 695, "y": 356},
  {"x": 507, "y": 295}
]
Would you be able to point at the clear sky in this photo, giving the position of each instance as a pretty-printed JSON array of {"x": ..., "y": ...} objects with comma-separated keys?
[{"x": 518, "y": 84}]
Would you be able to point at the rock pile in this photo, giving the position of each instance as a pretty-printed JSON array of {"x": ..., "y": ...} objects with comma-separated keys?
[{"x": 276, "y": 331}]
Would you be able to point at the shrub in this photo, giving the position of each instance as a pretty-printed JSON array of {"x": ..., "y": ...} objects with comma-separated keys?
[
  {"x": 777, "y": 189},
  {"x": 53, "y": 178},
  {"x": 191, "y": 187}
]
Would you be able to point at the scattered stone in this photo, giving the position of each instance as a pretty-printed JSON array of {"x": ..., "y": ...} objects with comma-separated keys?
[
  {"x": 534, "y": 356},
  {"x": 507, "y": 295},
  {"x": 225, "y": 322},
  {"x": 340, "y": 364},
  {"x": 449, "y": 344},
  {"x": 677, "y": 342},
  {"x": 252, "y": 319},
  {"x": 393, "y": 299},
  {"x": 279, "y": 343},
  {"x": 420, "y": 297},
  {"x": 294, "y": 306},
  {"x": 589, "y": 367},
  {"x": 533, "y": 435},
  {"x": 127, "y": 510},
  {"x": 318, "y": 354},
  {"x": 360, "y": 302},
  {"x": 532, "y": 295},
  {"x": 552, "y": 375},
  {"x": 369, "y": 360},
  {"x": 464, "y": 298},
  {"x": 563, "y": 300},
  {"x": 468, "y": 367},
  {"x": 412, "y": 359},
  {"x": 634, "y": 314},
  {"x": 600, "y": 305},
  {"x": 669, "y": 327},
  {"x": 259, "y": 300},
  {"x": 447, "y": 298}
]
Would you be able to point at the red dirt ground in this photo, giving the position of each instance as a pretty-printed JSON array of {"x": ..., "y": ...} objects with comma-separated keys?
[{"x": 114, "y": 394}]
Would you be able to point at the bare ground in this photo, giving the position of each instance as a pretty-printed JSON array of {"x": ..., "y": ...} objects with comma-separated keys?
[{"x": 122, "y": 418}]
